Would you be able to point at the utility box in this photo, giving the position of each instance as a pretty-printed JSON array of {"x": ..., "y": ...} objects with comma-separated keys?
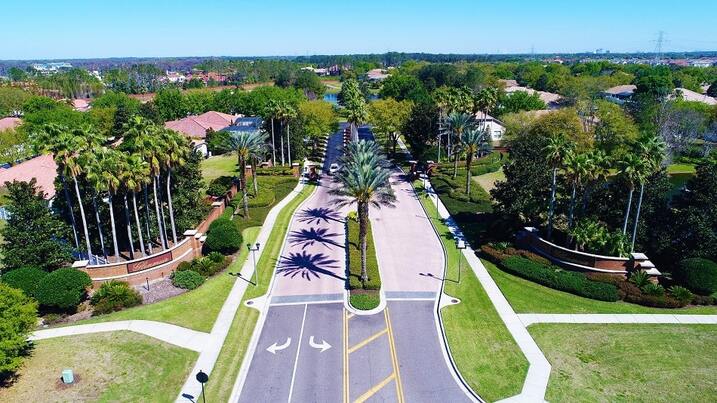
[{"x": 67, "y": 376}]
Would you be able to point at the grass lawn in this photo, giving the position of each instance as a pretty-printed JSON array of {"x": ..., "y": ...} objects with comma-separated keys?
[
  {"x": 117, "y": 366},
  {"x": 681, "y": 168},
  {"x": 629, "y": 363},
  {"x": 529, "y": 297},
  {"x": 483, "y": 349},
  {"x": 219, "y": 165},
  {"x": 487, "y": 181},
  {"x": 232, "y": 353}
]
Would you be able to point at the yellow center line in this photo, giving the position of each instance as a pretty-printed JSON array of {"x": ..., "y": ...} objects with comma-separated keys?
[
  {"x": 346, "y": 357},
  {"x": 394, "y": 358},
  {"x": 368, "y": 340},
  {"x": 375, "y": 389},
  {"x": 350, "y": 315}
]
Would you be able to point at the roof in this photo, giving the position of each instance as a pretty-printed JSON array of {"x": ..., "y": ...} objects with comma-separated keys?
[
  {"x": 624, "y": 90},
  {"x": 81, "y": 105},
  {"x": 480, "y": 116},
  {"x": 689, "y": 95},
  {"x": 246, "y": 124},
  {"x": 42, "y": 168},
  {"x": 509, "y": 83},
  {"x": 9, "y": 123},
  {"x": 547, "y": 97},
  {"x": 196, "y": 127}
]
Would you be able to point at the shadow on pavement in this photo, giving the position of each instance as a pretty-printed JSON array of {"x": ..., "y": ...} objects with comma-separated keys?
[
  {"x": 312, "y": 236},
  {"x": 308, "y": 266},
  {"x": 318, "y": 215}
]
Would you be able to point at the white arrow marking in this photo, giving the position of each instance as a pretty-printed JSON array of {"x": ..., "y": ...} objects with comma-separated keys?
[
  {"x": 276, "y": 347},
  {"x": 323, "y": 346}
]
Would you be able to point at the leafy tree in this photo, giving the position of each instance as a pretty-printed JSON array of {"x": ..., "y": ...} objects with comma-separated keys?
[
  {"x": 13, "y": 145},
  {"x": 12, "y": 99},
  {"x": 712, "y": 90},
  {"x": 25, "y": 278},
  {"x": 520, "y": 101},
  {"x": 404, "y": 87},
  {"x": 388, "y": 118},
  {"x": 421, "y": 128},
  {"x": 556, "y": 151},
  {"x": 33, "y": 236},
  {"x": 614, "y": 130},
  {"x": 437, "y": 75},
  {"x": 170, "y": 104},
  {"x": 16, "y": 74},
  {"x": 18, "y": 318},
  {"x": 198, "y": 102},
  {"x": 310, "y": 83},
  {"x": 317, "y": 119}
]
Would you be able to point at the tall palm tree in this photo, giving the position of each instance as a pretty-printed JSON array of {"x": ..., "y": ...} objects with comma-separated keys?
[
  {"x": 576, "y": 165},
  {"x": 556, "y": 151},
  {"x": 631, "y": 168},
  {"x": 176, "y": 150},
  {"x": 136, "y": 176},
  {"x": 444, "y": 99},
  {"x": 598, "y": 172},
  {"x": 486, "y": 100},
  {"x": 458, "y": 123},
  {"x": 272, "y": 111},
  {"x": 247, "y": 145},
  {"x": 472, "y": 140},
  {"x": 290, "y": 113},
  {"x": 364, "y": 180},
  {"x": 652, "y": 150},
  {"x": 106, "y": 169}
]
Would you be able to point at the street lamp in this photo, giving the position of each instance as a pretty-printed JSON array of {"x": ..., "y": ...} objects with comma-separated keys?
[
  {"x": 253, "y": 251},
  {"x": 202, "y": 378},
  {"x": 460, "y": 245}
]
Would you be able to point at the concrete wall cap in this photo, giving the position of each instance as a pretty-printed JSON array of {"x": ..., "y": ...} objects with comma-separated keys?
[
  {"x": 217, "y": 204},
  {"x": 190, "y": 232},
  {"x": 203, "y": 238},
  {"x": 198, "y": 235},
  {"x": 638, "y": 256},
  {"x": 80, "y": 264}
]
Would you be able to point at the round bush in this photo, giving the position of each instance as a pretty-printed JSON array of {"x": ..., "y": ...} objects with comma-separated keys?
[
  {"x": 223, "y": 237},
  {"x": 188, "y": 279},
  {"x": 216, "y": 257},
  {"x": 18, "y": 318},
  {"x": 63, "y": 288},
  {"x": 114, "y": 296},
  {"x": 183, "y": 266},
  {"x": 698, "y": 275},
  {"x": 26, "y": 279}
]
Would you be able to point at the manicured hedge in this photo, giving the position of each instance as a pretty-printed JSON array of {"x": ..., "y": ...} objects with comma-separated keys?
[
  {"x": 220, "y": 186},
  {"x": 114, "y": 296},
  {"x": 26, "y": 279},
  {"x": 374, "y": 279},
  {"x": 207, "y": 265},
  {"x": 223, "y": 237},
  {"x": 63, "y": 288},
  {"x": 553, "y": 277},
  {"x": 697, "y": 274},
  {"x": 187, "y": 279}
]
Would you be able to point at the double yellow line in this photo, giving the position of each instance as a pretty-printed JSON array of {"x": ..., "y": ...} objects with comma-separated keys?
[
  {"x": 394, "y": 358},
  {"x": 346, "y": 356}
]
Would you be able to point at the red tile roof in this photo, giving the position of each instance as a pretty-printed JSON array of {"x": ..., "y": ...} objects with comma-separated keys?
[
  {"x": 9, "y": 123},
  {"x": 195, "y": 127},
  {"x": 42, "y": 168}
]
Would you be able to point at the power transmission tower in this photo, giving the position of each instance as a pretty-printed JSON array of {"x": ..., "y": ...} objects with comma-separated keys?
[{"x": 658, "y": 47}]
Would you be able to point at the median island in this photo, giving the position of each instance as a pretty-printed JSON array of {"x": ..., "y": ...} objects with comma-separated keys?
[{"x": 363, "y": 295}]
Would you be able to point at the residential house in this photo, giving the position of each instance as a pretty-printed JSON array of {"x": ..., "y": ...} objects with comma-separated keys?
[
  {"x": 42, "y": 168},
  {"x": 196, "y": 127},
  {"x": 494, "y": 126},
  {"x": 552, "y": 100},
  {"x": 377, "y": 75},
  {"x": 619, "y": 94},
  {"x": 689, "y": 95}
]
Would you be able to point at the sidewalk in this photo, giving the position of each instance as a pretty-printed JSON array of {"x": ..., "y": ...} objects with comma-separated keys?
[{"x": 173, "y": 334}]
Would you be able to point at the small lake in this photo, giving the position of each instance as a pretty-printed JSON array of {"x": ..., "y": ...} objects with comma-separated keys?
[{"x": 334, "y": 98}]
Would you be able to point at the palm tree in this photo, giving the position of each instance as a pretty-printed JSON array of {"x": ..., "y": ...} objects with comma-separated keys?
[
  {"x": 472, "y": 140},
  {"x": 356, "y": 112},
  {"x": 176, "y": 150},
  {"x": 247, "y": 145},
  {"x": 106, "y": 170},
  {"x": 631, "y": 168},
  {"x": 486, "y": 100},
  {"x": 556, "y": 151},
  {"x": 458, "y": 123},
  {"x": 136, "y": 176},
  {"x": 598, "y": 171},
  {"x": 652, "y": 150},
  {"x": 363, "y": 179},
  {"x": 290, "y": 113},
  {"x": 577, "y": 166},
  {"x": 271, "y": 111}
]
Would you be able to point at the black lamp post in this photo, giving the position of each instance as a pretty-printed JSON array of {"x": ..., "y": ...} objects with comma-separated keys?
[
  {"x": 202, "y": 378},
  {"x": 460, "y": 245},
  {"x": 253, "y": 251}
]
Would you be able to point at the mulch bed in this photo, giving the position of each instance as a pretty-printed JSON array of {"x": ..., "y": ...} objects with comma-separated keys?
[{"x": 158, "y": 291}]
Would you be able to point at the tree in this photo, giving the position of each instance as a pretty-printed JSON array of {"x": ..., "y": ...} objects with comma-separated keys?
[
  {"x": 556, "y": 150},
  {"x": 403, "y": 87},
  {"x": 614, "y": 130},
  {"x": 363, "y": 180},
  {"x": 472, "y": 140},
  {"x": 136, "y": 176},
  {"x": 12, "y": 100},
  {"x": 577, "y": 166},
  {"x": 247, "y": 145},
  {"x": 457, "y": 124},
  {"x": 33, "y": 235},
  {"x": 170, "y": 104},
  {"x": 176, "y": 149},
  {"x": 354, "y": 103},
  {"x": 389, "y": 118},
  {"x": 421, "y": 127},
  {"x": 632, "y": 169},
  {"x": 317, "y": 119},
  {"x": 18, "y": 318},
  {"x": 520, "y": 101},
  {"x": 107, "y": 169},
  {"x": 310, "y": 83},
  {"x": 651, "y": 150},
  {"x": 712, "y": 90}
]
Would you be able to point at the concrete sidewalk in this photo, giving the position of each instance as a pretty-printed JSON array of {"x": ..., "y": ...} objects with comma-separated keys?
[
  {"x": 173, "y": 334},
  {"x": 532, "y": 318}
]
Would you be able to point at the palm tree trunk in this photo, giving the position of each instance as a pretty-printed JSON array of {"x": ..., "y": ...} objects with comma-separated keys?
[
  {"x": 84, "y": 219},
  {"x": 114, "y": 230},
  {"x": 253, "y": 178},
  {"x": 572, "y": 206},
  {"x": 159, "y": 217},
  {"x": 394, "y": 137},
  {"x": 273, "y": 146},
  {"x": 169, "y": 204},
  {"x": 288, "y": 141},
  {"x": 129, "y": 227},
  {"x": 637, "y": 217},
  {"x": 99, "y": 227},
  {"x": 551, "y": 208},
  {"x": 363, "y": 232},
  {"x": 627, "y": 211},
  {"x": 469, "y": 160},
  {"x": 139, "y": 226},
  {"x": 455, "y": 165},
  {"x": 281, "y": 141},
  {"x": 70, "y": 210},
  {"x": 161, "y": 212},
  {"x": 147, "y": 220}
]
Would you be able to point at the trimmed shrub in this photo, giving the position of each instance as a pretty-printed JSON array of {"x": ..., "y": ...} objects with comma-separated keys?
[
  {"x": 63, "y": 288},
  {"x": 703, "y": 299},
  {"x": 188, "y": 279},
  {"x": 264, "y": 198},
  {"x": 114, "y": 296},
  {"x": 493, "y": 255},
  {"x": 365, "y": 301},
  {"x": 216, "y": 257},
  {"x": 551, "y": 276},
  {"x": 656, "y": 290},
  {"x": 681, "y": 294},
  {"x": 354, "y": 263},
  {"x": 223, "y": 237},
  {"x": 220, "y": 186},
  {"x": 26, "y": 279},
  {"x": 629, "y": 292},
  {"x": 183, "y": 266},
  {"x": 18, "y": 318},
  {"x": 697, "y": 274}
]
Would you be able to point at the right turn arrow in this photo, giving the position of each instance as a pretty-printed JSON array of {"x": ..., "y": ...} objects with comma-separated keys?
[{"x": 323, "y": 346}]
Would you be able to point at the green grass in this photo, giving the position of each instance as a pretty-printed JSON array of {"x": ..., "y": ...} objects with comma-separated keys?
[
  {"x": 487, "y": 181},
  {"x": 219, "y": 165},
  {"x": 365, "y": 301},
  {"x": 230, "y": 358},
  {"x": 374, "y": 277},
  {"x": 528, "y": 297},
  {"x": 629, "y": 363},
  {"x": 483, "y": 349},
  {"x": 108, "y": 367},
  {"x": 681, "y": 168}
]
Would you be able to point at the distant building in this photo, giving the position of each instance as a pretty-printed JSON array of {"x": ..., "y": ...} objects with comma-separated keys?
[
  {"x": 620, "y": 94},
  {"x": 689, "y": 95},
  {"x": 317, "y": 71},
  {"x": 50, "y": 68},
  {"x": 174, "y": 77},
  {"x": 195, "y": 127},
  {"x": 42, "y": 168},
  {"x": 246, "y": 124},
  {"x": 377, "y": 75},
  {"x": 551, "y": 99},
  {"x": 494, "y": 126}
]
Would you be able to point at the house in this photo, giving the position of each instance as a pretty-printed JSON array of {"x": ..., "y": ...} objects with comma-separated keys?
[
  {"x": 9, "y": 123},
  {"x": 174, "y": 77},
  {"x": 317, "y": 71},
  {"x": 551, "y": 99},
  {"x": 494, "y": 126},
  {"x": 42, "y": 168},
  {"x": 376, "y": 75},
  {"x": 246, "y": 124},
  {"x": 195, "y": 127},
  {"x": 689, "y": 95},
  {"x": 81, "y": 105},
  {"x": 619, "y": 94}
]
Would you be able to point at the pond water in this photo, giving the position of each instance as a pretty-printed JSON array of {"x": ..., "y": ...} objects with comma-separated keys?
[
  {"x": 678, "y": 181},
  {"x": 333, "y": 98}
]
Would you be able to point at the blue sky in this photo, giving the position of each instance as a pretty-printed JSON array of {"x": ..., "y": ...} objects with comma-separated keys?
[{"x": 78, "y": 28}]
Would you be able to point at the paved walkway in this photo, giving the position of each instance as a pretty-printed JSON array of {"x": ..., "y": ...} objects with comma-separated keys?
[
  {"x": 531, "y": 318},
  {"x": 173, "y": 334}
]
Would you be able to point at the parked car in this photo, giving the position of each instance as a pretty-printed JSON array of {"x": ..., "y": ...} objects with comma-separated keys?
[{"x": 333, "y": 168}]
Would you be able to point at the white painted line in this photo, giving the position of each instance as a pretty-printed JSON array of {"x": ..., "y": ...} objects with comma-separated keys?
[{"x": 298, "y": 350}]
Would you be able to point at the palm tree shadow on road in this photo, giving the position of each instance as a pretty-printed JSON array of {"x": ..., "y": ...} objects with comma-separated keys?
[
  {"x": 318, "y": 215},
  {"x": 308, "y": 266},
  {"x": 312, "y": 236}
]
